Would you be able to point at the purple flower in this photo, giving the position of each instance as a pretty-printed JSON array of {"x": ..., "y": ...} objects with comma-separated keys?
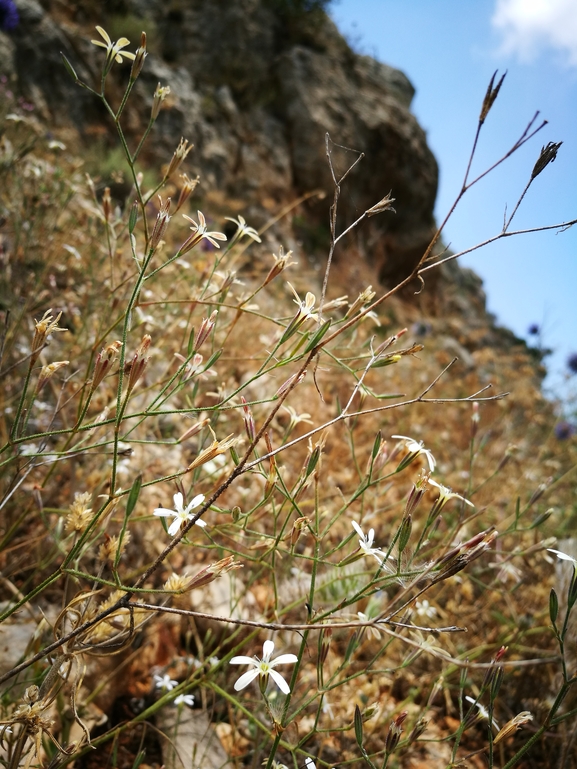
[
  {"x": 572, "y": 363},
  {"x": 9, "y": 18},
  {"x": 564, "y": 430},
  {"x": 533, "y": 329}
]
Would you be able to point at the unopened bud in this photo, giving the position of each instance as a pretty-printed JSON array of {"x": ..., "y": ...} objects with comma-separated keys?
[
  {"x": 104, "y": 361},
  {"x": 139, "y": 362},
  {"x": 140, "y": 56},
  {"x": 193, "y": 430},
  {"x": 248, "y": 418},
  {"x": 394, "y": 733},
  {"x": 205, "y": 329},
  {"x": 106, "y": 203},
  {"x": 161, "y": 223},
  {"x": 188, "y": 187},
  {"x": 298, "y": 527},
  {"x": 475, "y": 418}
]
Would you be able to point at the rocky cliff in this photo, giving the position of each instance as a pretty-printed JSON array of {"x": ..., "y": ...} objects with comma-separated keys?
[{"x": 256, "y": 85}]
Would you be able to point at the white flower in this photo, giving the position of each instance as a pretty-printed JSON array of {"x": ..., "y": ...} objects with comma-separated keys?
[
  {"x": 374, "y": 632},
  {"x": 184, "y": 699},
  {"x": 200, "y": 231},
  {"x": 562, "y": 556},
  {"x": 483, "y": 712},
  {"x": 424, "y": 609},
  {"x": 366, "y": 543},
  {"x": 417, "y": 448},
  {"x": 445, "y": 494},
  {"x": 180, "y": 514},
  {"x": 305, "y": 306},
  {"x": 113, "y": 50},
  {"x": 309, "y": 763},
  {"x": 264, "y": 667},
  {"x": 165, "y": 682}
]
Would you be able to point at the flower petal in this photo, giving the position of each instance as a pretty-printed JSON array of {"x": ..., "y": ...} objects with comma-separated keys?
[
  {"x": 246, "y": 679},
  {"x": 358, "y": 529},
  {"x": 198, "y": 500},
  {"x": 104, "y": 34},
  {"x": 163, "y": 512},
  {"x": 562, "y": 556},
  {"x": 267, "y": 650},
  {"x": 178, "y": 501},
  {"x": 174, "y": 526},
  {"x": 279, "y": 681},
  {"x": 242, "y": 661}
]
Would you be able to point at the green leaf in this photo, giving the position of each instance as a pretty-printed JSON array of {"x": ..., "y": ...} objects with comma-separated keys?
[
  {"x": 133, "y": 496},
  {"x": 358, "y": 726},
  {"x": 377, "y": 444},
  {"x": 69, "y": 67},
  {"x": 553, "y": 606},
  {"x": 316, "y": 338}
]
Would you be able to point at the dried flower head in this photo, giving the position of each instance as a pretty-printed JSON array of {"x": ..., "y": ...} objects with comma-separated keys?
[
  {"x": 48, "y": 371},
  {"x": 547, "y": 155},
  {"x": 215, "y": 449},
  {"x": 179, "y": 156},
  {"x": 385, "y": 204},
  {"x": 281, "y": 262},
  {"x": 160, "y": 94},
  {"x": 42, "y": 330},
  {"x": 490, "y": 96},
  {"x": 188, "y": 187},
  {"x": 513, "y": 725},
  {"x": 80, "y": 514}
]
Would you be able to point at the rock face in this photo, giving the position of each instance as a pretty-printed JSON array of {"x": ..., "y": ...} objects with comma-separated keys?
[{"x": 256, "y": 85}]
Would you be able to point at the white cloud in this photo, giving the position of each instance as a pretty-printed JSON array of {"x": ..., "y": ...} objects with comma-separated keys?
[{"x": 529, "y": 26}]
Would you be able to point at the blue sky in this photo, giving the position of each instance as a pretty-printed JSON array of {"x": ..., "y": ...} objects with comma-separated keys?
[{"x": 449, "y": 49}]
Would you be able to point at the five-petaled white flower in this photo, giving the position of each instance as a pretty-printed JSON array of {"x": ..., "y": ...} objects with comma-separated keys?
[
  {"x": 184, "y": 699},
  {"x": 200, "y": 231},
  {"x": 264, "y": 668},
  {"x": 366, "y": 543},
  {"x": 180, "y": 513},
  {"x": 165, "y": 682},
  {"x": 417, "y": 448},
  {"x": 113, "y": 50},
  {"x": 244, "y": 229},
  {"x": 446, "y": 494}
]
